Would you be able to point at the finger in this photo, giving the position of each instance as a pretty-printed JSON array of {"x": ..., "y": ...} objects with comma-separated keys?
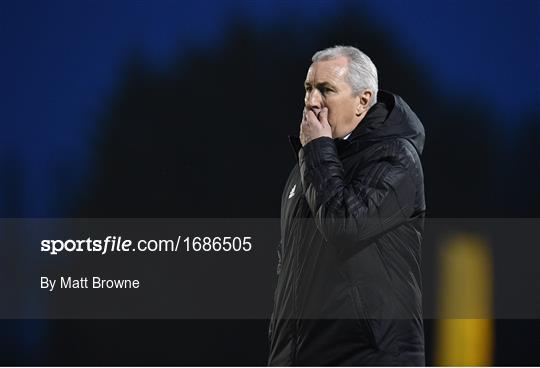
[
  {"x": 304, "y": 126},
  {"x": 311, "y": 117},
  {"x": 323, "y": 116},
  {"x": 303, "y": 134}
]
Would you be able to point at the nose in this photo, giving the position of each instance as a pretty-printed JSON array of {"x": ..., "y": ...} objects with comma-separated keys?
[{"x": 313, "y": 100}]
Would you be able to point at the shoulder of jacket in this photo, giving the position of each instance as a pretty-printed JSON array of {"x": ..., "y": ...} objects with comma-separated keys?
[{"x": 395, "y": 150}]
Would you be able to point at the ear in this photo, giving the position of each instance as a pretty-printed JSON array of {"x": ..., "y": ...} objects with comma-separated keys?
[{"x": 363, "y": 101}]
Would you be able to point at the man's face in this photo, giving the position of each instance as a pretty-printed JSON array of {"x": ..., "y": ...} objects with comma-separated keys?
[{"x": 326, "y": 86}]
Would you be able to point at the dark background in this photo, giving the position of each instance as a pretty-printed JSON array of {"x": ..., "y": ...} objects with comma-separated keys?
[{"x": 182, "y": 109}]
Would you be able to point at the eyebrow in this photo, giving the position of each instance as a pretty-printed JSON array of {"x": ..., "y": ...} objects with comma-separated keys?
[{"x": 322, "y": 84}]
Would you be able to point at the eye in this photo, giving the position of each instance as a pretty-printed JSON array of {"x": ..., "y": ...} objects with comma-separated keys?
[
  {"x": 308, "y": 88},
  {"x": 324, "y": 90}
]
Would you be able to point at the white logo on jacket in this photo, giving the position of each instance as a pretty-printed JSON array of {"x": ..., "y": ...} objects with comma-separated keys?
[{"x": 292, "y": 192}]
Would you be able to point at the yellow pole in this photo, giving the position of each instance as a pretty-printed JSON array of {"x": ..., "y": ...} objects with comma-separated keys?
[{"x": 465, "y": 331}]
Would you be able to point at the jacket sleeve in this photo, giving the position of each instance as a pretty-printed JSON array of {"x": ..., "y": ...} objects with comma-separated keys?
[{"x": 376, "y": 198}]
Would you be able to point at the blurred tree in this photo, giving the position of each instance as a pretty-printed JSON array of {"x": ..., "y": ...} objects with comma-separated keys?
[{"x": 207, "y": 138}]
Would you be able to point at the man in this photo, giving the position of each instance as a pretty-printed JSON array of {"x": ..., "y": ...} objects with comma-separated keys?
[{"x": 349, "y": 281}]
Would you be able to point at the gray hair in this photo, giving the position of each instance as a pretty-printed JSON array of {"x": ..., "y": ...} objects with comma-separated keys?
[{"x": 361, "y": 73}]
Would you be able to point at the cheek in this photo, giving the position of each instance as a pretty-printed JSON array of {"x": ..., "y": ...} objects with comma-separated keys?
[
  {"x": 332, "y": 112},
  {"x": 334, "y": 116},
  {"x": 331, "y": 117}
]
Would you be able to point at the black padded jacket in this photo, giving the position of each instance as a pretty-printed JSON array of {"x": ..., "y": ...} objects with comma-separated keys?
[{"x": 352, "y": 215}]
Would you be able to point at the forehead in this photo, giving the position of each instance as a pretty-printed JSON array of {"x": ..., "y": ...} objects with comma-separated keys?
[{"x": 333, "y": 70}]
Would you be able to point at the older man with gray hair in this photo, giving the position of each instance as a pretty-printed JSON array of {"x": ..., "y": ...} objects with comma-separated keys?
[{"x": 352, "y": 216}]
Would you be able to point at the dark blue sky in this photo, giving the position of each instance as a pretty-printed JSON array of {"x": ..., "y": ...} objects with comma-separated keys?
[{"x": 61, "y": 59}]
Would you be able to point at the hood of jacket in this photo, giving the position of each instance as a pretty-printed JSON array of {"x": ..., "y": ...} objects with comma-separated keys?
[{"x": 390, "y": 117}]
